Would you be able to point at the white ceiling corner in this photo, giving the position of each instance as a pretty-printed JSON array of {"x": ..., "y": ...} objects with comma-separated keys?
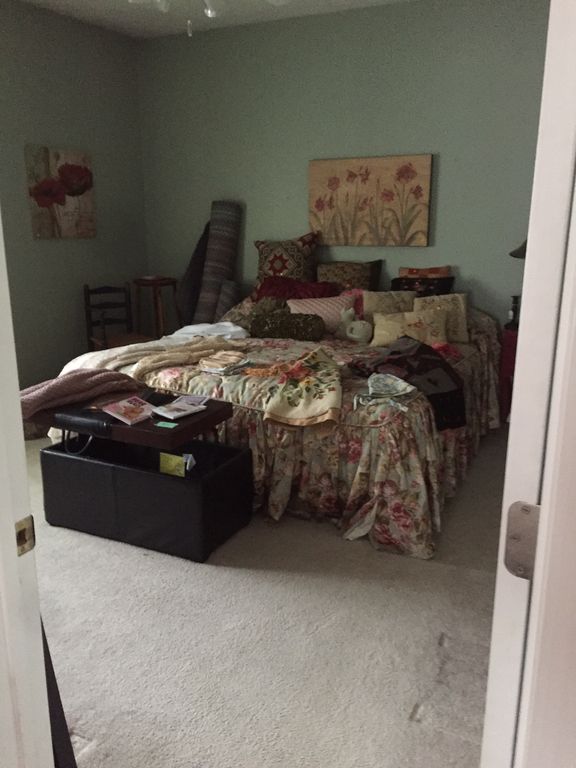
[{"x": 144, "y": 20}]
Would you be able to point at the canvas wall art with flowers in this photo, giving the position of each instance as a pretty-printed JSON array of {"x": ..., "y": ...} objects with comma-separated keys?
[
  {"x": 371, "y": 200},
  {"x": 60, "y": 192}
]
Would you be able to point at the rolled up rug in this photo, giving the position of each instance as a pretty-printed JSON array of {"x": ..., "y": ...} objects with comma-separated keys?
[
  {"x": 191, "y": 283},
  {"x": 221, "y": 255},
  {"x": 229, "y": 296}
]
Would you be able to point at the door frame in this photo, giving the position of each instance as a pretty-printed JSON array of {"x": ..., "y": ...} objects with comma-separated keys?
[
  {"x": 25, "y": 735},
  {"x": 548, "y": 711},
  {"x": 538, "y": 357},
  {"x": 548, "y": 695}
]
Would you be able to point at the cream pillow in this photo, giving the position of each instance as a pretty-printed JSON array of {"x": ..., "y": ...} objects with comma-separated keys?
[
  {"x": 428, "y": 326},
  {"x": 386, "y": 302},
  {"x": 455, "y": 305}
]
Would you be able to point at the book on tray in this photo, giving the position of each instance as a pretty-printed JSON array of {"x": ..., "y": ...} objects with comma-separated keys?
[
  {"x": 185, "y": 405},
  {"x": 131, "y": 410}
]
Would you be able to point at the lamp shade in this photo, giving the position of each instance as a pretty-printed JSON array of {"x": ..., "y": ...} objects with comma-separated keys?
[{"x": 520, "y": 252}]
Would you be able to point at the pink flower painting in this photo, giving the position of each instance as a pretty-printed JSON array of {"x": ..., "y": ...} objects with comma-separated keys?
[
  {"x": 371, "y": 201},
  {"x": 60, "y": 193}
]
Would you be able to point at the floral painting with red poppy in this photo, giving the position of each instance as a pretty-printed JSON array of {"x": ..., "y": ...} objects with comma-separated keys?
[
  {"x": 60, "y": 192},
  {"x": 371, "y": 200}
]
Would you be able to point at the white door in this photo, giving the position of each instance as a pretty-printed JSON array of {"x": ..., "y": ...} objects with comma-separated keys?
[
  {"x": 25, "y": 738},
  {"x": 540, "y": 359}
]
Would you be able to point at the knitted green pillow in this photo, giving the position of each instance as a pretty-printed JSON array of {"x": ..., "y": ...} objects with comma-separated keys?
[{"x": 284, "y": 325}]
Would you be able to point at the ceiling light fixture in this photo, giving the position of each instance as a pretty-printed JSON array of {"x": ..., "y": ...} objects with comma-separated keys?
[{"x": 212, "y": 8}]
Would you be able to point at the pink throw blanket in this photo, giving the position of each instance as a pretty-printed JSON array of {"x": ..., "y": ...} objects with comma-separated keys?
[{"x": 74, "y": 387}]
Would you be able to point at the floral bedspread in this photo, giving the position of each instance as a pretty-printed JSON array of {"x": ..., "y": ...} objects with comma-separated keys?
[{"x": 382, "y": 471}]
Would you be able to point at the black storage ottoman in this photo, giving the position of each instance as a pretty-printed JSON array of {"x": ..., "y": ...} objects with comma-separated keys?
[{"x": 115, "y": 490}]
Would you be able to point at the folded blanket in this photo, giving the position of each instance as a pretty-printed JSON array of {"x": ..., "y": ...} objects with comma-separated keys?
[
  {"x": 171, "y": 356},
  {"x": 225, "y": 362},
  {"x": 308, "y": 391},
  {"x": 74, "y": 387}
]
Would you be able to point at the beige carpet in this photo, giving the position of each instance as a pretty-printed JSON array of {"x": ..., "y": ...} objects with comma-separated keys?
[{"x": 291, "y": 648}]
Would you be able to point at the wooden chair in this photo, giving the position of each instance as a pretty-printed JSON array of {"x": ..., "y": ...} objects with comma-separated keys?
[{"x": 106, "y": 307}]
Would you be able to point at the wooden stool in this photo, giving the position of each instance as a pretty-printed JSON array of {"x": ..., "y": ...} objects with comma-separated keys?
[{"x": 156, "y": 282}]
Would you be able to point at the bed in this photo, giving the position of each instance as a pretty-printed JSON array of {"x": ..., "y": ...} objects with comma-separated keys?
[{"x": 380, "y": 472}]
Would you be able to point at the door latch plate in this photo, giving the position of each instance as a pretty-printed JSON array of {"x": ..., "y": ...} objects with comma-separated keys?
[
  {"x": 521, "y": 539},
  {"x": 25, "y": 535}
]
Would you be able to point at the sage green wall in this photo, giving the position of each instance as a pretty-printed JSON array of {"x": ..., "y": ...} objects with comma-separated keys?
[
  {"x": 66, "y": 84},
  {"x": 238, "y": 113}
]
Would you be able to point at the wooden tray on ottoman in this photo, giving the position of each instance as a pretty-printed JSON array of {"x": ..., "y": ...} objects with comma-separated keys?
[{"x": 148, "y": 433}]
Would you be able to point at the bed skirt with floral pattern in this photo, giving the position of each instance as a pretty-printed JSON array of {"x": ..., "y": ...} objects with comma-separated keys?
[{"x": 381, "y": 472}]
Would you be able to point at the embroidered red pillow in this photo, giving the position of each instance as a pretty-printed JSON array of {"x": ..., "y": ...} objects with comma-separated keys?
[
  {"x": 287, "y": 258},
  {"x": 289, "y": 288}
]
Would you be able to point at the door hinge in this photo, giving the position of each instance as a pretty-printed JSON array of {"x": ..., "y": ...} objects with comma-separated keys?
[
  {"x": 25, "y": 535},
  {"x": 521, "y": 539}
]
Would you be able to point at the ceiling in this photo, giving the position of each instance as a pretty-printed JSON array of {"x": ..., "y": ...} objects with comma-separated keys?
[{"x": 143, "y": 19}]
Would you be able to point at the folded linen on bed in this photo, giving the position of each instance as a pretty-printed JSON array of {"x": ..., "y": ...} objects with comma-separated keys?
[
  {"x": 74, "y": 387},
  {"x": 185, "y": 354},
  {"x": 226, "y": 362}
]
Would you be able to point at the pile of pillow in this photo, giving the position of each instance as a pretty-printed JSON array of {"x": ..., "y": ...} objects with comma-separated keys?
[
  {"x": 431, "y": 319},
  {"x": 287, "y": 271},
  {"x": 419, "y": 305}
]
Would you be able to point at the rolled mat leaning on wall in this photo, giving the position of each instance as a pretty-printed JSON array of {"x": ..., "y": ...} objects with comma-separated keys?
[{"x": 208, "y": 289}]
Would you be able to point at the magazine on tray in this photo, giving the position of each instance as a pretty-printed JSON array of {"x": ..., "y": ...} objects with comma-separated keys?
[
  {"x": 185, "y": 405},
  {"x": 131, "y": 410}
]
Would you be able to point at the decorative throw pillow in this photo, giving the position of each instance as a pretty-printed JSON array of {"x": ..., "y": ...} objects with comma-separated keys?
[
  {"x": 425, "y": 271},
  {"x": 427, "y": 326},
  {"x": 352, "y": 274},
  {"x": 287, "y": 258},
  {"x": 455, "y": 306},
  {"x": 289, "y": 288},
  {"x": 240, "y": 314},
  {"x": 283, "y": 325},
  {"x": 424, "y": 286},
  {"x": 328, "y": 309},
  {"x": 386, "y": 302}
]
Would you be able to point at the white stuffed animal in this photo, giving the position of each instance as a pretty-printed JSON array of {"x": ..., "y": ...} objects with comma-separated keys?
[{"x": 351, "y": 329}]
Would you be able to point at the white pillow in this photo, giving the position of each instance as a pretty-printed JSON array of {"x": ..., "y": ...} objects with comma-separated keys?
[{"x": 330, "y": 310}]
